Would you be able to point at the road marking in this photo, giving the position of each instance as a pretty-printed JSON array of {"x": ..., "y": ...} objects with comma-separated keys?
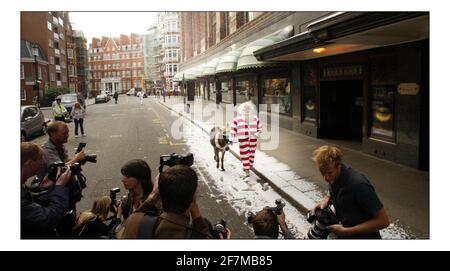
[
  {"x": 163, "y": 140},
  {"x": 120, "y": 114},
  {"x": 115, "y": 136},
  {"x": 156, "y": 121},
  {"x": 176, "y": 144}
]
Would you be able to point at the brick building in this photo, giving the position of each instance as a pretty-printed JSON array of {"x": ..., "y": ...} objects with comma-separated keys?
[
  {"x": 51, "y": 34},
  {"x": 361, "y": 78},
  {"x": 82, "y": 62},
  {"x": 116, "y": 64}
]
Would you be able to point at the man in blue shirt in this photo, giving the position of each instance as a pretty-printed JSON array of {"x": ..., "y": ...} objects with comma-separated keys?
[{"x": 357, "y": 205}]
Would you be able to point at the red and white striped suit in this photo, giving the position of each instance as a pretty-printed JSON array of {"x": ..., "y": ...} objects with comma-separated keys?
[{"x": 247, "y": 134}]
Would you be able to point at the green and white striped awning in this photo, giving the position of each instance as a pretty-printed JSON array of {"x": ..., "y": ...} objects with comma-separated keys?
[
  {"x": 210, "y": 67},
  {"x": 247, "y": 60},
  {"x": 228, "y": 62}
]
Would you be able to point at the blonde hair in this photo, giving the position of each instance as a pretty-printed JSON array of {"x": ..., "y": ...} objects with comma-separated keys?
[
  {"x": 326, "y": 156},
  {"x": 100, "y": 209}
]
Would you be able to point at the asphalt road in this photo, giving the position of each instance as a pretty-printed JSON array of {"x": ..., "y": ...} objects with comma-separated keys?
[{"x": 127, "y": 130}]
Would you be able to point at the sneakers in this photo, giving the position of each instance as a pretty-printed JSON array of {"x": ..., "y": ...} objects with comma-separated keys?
[
  {"x": 77, "y": 136},
  {"x": 84, "y": 134}
]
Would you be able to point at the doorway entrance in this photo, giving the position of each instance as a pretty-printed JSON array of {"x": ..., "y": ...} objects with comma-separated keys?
[{"x": 341, "y": 110}]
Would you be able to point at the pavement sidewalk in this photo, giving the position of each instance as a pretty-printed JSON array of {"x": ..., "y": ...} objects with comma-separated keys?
[{"x": 404, "y": 191}]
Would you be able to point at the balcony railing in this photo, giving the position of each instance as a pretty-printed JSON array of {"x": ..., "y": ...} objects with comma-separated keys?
[
  {"x": 167, "y": 74},
  {"x": 171, "y": 44},
  {"x": 56, "y": 36},
  {"x": 58, "y": 68},
  {"x": 170, "y": 59},
  {"x": 57, "y": 52}
]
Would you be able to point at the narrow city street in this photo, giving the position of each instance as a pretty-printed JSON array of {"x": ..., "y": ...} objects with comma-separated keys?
[{"x": 128, "y": 130}]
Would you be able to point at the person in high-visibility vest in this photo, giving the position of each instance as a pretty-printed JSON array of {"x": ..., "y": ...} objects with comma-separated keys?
[{"x": 59, "y": 111}]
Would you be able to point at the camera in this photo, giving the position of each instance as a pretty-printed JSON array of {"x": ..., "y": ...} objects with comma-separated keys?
[
  {"x": 321, "y": 219},
  {"x": 113, "y": 196},
  {"x": 52, "y": 170},
  {"x": 279, "y": 205},
  {"x": 219, "y": 228},
  {"x": 88, "y": 157},
  {"x": 175, "y": 159}
]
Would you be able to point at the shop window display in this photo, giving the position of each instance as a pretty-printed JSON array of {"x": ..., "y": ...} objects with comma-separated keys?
[{"x": 277, "y": 91}]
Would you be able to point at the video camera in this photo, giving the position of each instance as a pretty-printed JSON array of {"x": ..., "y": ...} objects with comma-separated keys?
[
  {"x": 321, "y": 219},
  {"x": 175, "y": 159}
]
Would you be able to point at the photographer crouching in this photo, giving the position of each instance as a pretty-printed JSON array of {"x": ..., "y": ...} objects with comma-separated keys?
[
  {"x": 38, "y": 221},
  {"x": 267, "y": 222},
  {"x": 358, "y": 208}
]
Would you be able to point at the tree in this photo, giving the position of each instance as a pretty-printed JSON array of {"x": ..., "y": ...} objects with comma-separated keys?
[{"x": 51, "y": 93}]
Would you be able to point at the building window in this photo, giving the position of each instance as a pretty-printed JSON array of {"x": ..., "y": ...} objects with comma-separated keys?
[
  {"x": 22, "y": 71},
  {"x": 49, "y": 26},
  {"x": 226, "y": 84},
  {"x": 71, "y": 70},
  {"x": 52, "y": 60},
  {"x": 309, "y": 103},
  {"x": 383, "y": 112},
  {"x": 245, "y": 89},
  {"x": 277, "y": 90},
  {"x": 39, "y": 72},
  {"x": 70, "y": 53},
  {"x": 251, "y": 16},
  {"x": 50, "y": 43},
  {"x": 23, "y": 95},
  {"x": 52, "y": 76}
]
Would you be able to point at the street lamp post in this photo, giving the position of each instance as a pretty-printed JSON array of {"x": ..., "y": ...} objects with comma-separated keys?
[
  {"x": 36, "y": 75},
  {"x": 184, "y": 92}
]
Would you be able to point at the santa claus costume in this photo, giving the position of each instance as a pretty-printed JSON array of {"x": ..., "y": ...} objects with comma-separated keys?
[{"x": 246, "y": 128}]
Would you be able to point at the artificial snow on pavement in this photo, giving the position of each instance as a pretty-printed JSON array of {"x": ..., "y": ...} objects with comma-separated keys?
[{"x": 252, "y": 195}]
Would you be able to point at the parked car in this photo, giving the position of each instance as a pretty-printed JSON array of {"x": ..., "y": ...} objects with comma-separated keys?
[
  {"x": 32, "y": 122},
  {"x": 68, "y": 100},
  {"x": 131, "y": 92},
  {"x": 101, "y": 98}
]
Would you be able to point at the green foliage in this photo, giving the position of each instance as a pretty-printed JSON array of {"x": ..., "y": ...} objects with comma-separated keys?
[{"x": 51, "y": 93}]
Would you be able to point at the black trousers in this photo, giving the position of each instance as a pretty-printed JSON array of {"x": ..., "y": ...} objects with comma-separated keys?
[{"x": 79, "y": 122}]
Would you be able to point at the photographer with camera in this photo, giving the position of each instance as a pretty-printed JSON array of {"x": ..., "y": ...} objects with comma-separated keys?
[
  {"x": 266, "y": 223},
  {"x": 136, "y": 178},
  {"x": 39, "y": 221},
  {"x": 92, "y": 224},
  {"x": 357, "y": 205},
  {"x": 176, "y": 187},
  {"x": 54, "y": 149}
]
